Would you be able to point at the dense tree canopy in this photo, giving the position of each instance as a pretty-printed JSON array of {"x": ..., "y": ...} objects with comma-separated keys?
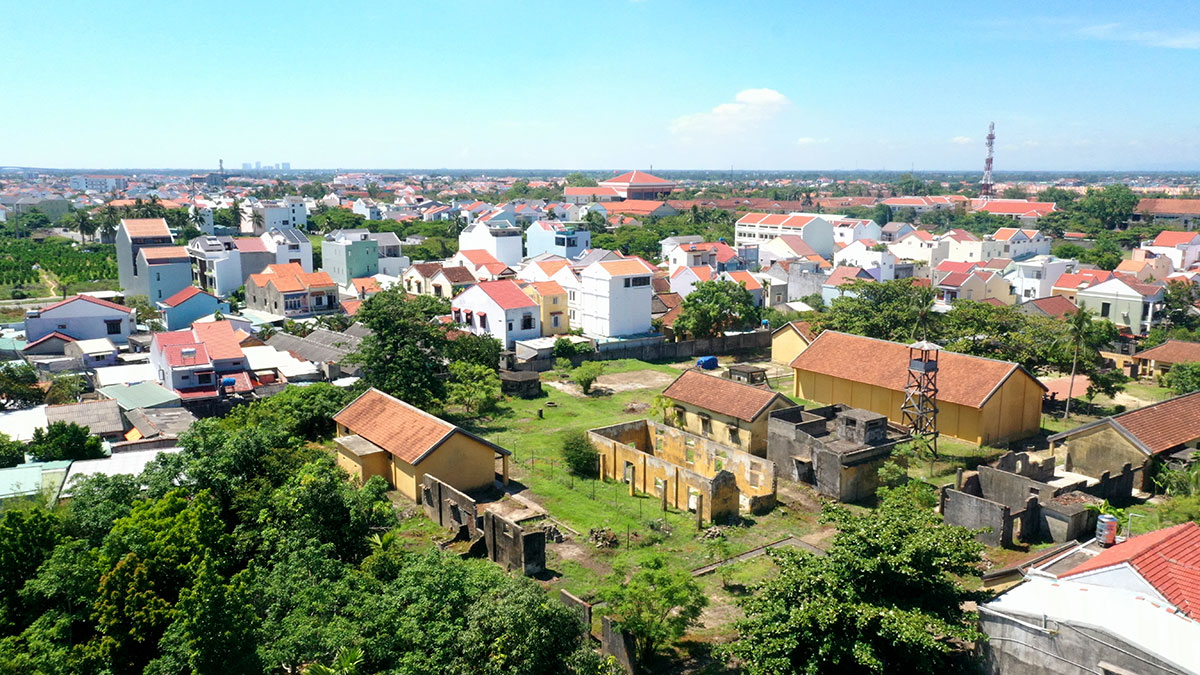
[{"x": 717, "y": 306}]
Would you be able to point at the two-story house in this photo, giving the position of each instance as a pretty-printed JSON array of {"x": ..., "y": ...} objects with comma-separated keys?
[
  {"x": 614, "y": 298},
  {"x": 1035, "y": 277},
  {"x": 288, "y": 291},
  {"x": 850, "y": 230},
  {"x": 198, "y": 363},
  {"x": 483, "y": 265},
  {"x": 551, "y": 297},
  {"x": 977, "y": 284},
  {"x": 185, "y": 307},
  {"x": 1020, "y": 243},
  {"x": 80, "y": 317},
  {"x": 1125, "y": 301},
  {"x": 684, "y": 279},
  {"x": 1182, "y": 248},
  {"x": 221, "y": 264},
  {"x": 502, "y": 239},
  {"x": 349, "y": 254},
  {"x": 747, "y": 281},
  {"x": 500, "y": 309},
  {"x": 869, "y": 254},
  {"x": 289, "y": 245},
  {"x": 392, "y": 260},
  {"x": 163, "y": 271},
  {"x": 920, "y": 246},
  {"x": 556, "y": 237},
  {"x": 133, "y": 234}
]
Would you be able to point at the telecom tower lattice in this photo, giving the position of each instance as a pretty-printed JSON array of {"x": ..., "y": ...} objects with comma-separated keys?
[
  {"x": 986, "y": 189},
  {"x": 920, "y": 393}
]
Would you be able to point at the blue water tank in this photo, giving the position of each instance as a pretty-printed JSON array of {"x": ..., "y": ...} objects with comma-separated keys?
[
  {"x": 227, "y": 382},
  {"x": 707, "y": 362}
]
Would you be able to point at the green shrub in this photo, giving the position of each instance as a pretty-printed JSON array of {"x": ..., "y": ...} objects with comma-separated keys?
[{"x": 580, "y": 455}]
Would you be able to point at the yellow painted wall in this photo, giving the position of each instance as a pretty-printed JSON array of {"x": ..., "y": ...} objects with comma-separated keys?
[
  {"x": 786, "y": 346},
  {"x": 1013, "y": 412},
  {"x": 461, "y": 462},
  {"x": 363, "y": 468},
  {"x": 547, "y": 305},
  {"x": 751, "y": 437}
]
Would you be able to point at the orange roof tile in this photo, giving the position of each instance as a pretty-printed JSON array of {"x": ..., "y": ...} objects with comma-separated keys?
[
  {"x": 720, "y": 395},
  {"x": 1172, "y": 351},
  {"x": 403, "y": 430},
  {"x": 146, "y": 227},
  {"x": 156, "y": 255}
]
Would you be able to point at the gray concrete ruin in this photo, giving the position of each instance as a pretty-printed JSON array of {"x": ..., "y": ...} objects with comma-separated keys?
[
  {"x": 836, "y": 448},
  {"x": 503, "y": 541},
  {"x": 513, "y": 547}
]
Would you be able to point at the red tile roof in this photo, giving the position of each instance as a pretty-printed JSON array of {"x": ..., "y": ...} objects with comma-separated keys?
[
  {"x": 1165, "y": 425},
  {"x": 1088, "y": 277},
  {"x": 1168, "y": 559},
  {"x": 184, "y": 295},
  {"x": 1055, "y": 305},
  {"x": 1171, "y": 238},
  {"x": 426, "y": 270},
  {"x": 458, "y": 275},
  {"x": 589, "y": 192},
  {"x": 627, "y": 267},
  {"x": 797, "y": 244},
  {"x": 291, "y": 277},
  {"x": 250, "y": 245},
  {"x": 366, "y": 285},
  {"x": 403, "y": 430},
  {"x": 56, "y": 335},
  {"x": 218, "y": 337},
  {"x": 746, "y": 279},
  {"x": 351, "y": 307},
  {"x": 507, "y": 294},
  {"x": 635, "y": 177},
  {"x": 545, "y": 288},
  {"x": 844, "y": 275},
  {"x": 87, "y": 298},
  {"x": 702, "y": 272},
  {"x": 478, "y": 257},
  {"x": 146, "y": 227},
  {"x": 776, "y": 219},
  {"x": 164, "y": 254},
  {"x": 963, "y": 379},
  {"x": 741, "y": 401},
  {"x": 1162, "y": 207},
  {"x": 637, "y": 207},
  {"x": 1172, "y": 351},
  {"x": 956, "y": 266}
]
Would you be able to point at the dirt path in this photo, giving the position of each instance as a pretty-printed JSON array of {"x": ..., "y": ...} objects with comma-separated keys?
[{"x": 615, "y": 382}]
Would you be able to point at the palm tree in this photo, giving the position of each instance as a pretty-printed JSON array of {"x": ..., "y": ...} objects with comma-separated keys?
[
  {"x": 109, "y": 220},
  {"x": 198, "y": 218},
  {"x": 923, "y": 298},
  {"x": 235, "y": 215},
  {"x": 347, "y": 662},
  {"x": 1078, "y": 327},
  {"x": 85, "y": 224},
  {"x": 256, "y": 218}
]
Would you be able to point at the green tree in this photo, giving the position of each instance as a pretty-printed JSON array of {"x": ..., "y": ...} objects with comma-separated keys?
[
  {"x": 1112, "y": 206},
  {"x": 478, "y": 350},
  {"x": 563, "y": 348},
  {"x": 346, "y": 663},
  {"x": 1179, "y": 305},
  {"x": 1184, "y": 378},
  {"x": 474, "y": 387},
  {"x": 886, "y": 597},
  {"x": 1060, "y": 196},
  {"x": 146, "y": 313},
  {"x": 577, "y": 179},
  {"x": 586, "y": 375},
  {"x": 580, "y": 455},
  {"x": 12, "y": 452},
  {"x": 27, "y": 537},
  {"x": 714, "y": 307},
  {"x": 64, "y": 440},
  {"x": 215, "y": 627},
  {"x": 19, "y": 386},
  {"x": 654, "y": 602},
  {"x": 1079, "y": 325},
  {"x": 64, "y": 389},
  {"x": 888, "y": 310},
  {"x": 514, "y": 629},
  {"x": 403, "y": 354}
]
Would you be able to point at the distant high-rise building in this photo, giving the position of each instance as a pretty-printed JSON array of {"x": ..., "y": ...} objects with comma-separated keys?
[
  {"x": 258, "y": 165},
  {"x": 286, "y": 166},
  {"x": 245, "y": 166}
]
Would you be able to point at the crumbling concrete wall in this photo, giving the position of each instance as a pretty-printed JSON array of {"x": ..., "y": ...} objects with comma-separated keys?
[
  {"x": 1013, "y": 490},
  {"x": 1118, "y": 488},
  {"x": 694, "y": 472},
  {"x": 977, "y": 513},
  {"x": 448, "y": 507},
  {"x": 618, "y": 644},
  {"x": 810, "y": 446},
  {"x": 1101, "y": 449},
  {"x": 512, "y": 546},
  {"x": 849, "y": 477},
  {"x": 1027, "y": 465},
  {"x": 581, "y": 608}
]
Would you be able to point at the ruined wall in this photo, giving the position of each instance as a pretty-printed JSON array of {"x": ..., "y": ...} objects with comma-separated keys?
[
  {"x": 1101, "y": 449},
  {"x": 448, "y": 507},
  {"x": 1013, "y": 490},
  {"x": 1116, "y": 488},
  {"x": 512, "y": 546},
  {"x": 1027, "y": 464},
  {"x": 849, "y": 477},
  {"x": 964, "y": 510}
]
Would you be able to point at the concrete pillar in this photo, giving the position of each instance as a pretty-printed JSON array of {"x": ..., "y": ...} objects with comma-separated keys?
[
  {"x": 700, "y": 511},
  {"x": 633, "y": 480},
  {"x": 504, "y": 469},
  {"x": 603, "y": 467},
  {"x": 664, "y": 496}
]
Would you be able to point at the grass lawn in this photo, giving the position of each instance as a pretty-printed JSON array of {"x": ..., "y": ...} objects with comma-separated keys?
[{"x": 1148, "y": 391}]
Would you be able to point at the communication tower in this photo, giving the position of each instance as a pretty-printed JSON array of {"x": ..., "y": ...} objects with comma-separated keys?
[{"x": 986, "y": 188}]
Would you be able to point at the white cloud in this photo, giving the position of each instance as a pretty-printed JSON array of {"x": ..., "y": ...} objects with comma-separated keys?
[
  {"x": 748, "y": 108},
  {"x": 1177, "y": 39},
  {"x": 961, "y": 140}
]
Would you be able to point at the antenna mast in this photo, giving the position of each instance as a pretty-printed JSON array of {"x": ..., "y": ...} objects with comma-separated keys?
[{"x": 986, "y": 189}]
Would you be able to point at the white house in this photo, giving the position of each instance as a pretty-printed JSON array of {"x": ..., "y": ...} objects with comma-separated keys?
[
  {"x": 502, "y": 239},
  {"x": 815, "y": 229},
  {"x": 193, "y": 363},
  {"x": 367, "y": 208},
  {"x": 870, "y": 255},
  {"x": 289, "y": 245},
  {"x": 500, "y": 309},
  {"x": 895, "y": 231},
  {"x": 615, "y": 298},
  {"x": 81, "y": 317},
  {"x": 748, "y": 281},
  {"x": 850, "y": 230},
  {"x": 287, "y": 212},
  {"x": 1021, "y": 243},
  {"x": 684, "y": 279},
  {"x": 483, "y": 265},
  {"x": 1124, "y": 301},
  {"x": 1182, "y": 248},
  {"x": 922, "y": 247},
  {"x": 1035, "y": 278}
]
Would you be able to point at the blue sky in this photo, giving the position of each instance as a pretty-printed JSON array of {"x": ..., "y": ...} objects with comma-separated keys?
[{"x": 586, "y": 83}]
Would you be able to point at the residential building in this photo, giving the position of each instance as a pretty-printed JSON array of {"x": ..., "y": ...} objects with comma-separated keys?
[
  {"x": 1158, "y": 360},
  {"x": 349, "y": 254},
  {"x": 195, "y": 363},
  {"x": 1022, "y": 210},
  {"x": 921, "y": 205},
  {"x": 614, "y": 298},
  {"x": 99, "y": 183},
  {"x": 1021, "y": 243},
  {"x": 980, "y": 400},
  {"x": 748, "y": 281},
  {"x": 278, "y": 214},
  {"x": 725, "y": 411},
  {"x": 380, "y": 435},
  {"x": 1181, "y": 248},
  {"x": 638, "y": 208},
  {"x": 556, "y": 238},
  {"x": 895, "y": 231},
  {"x": 684, "y": 279},
  {"x": 220, "y": 264},
  {"x": 132, "y": 235},
  {"x": 1069, "y": 285},
  {"x": 288, "y": 291},
  {"x": 638, "y": 184},
  {"x": 966, "y": 247},
  {"x": 101, "y": 418},
  {"x": 93, "y": 353},
  {"x": 367, "y": 208},
  {"x": 182, "y": 309},
  {"x": 788, "y": 247},
  {"x": 80, "y": 317},
  {"x": 870, "y": 255},
  {"x": 815, "y": 229},
  {"x": 717, "y": 255},
  {"x": 1133, "y": 607},
  {"x": 832, "y": 288},
  {"x": 542, "y": 269},
  {"x": 483, "y": 265},
  {"x": 289, "y": 246},
  {"x": 789, "y": 340},
  {"x": 977, "y": 285},
  {"x": 1124, "y": 301},
  {"x": 501, "y": 239},
  {"x": 921, "y": 247},
  {"x": 1146, "y": 265},
  {"x": 586, "y": 195},
  {"x": 1035, "y": 277},
  {"x": 552, "y": 299},
  {"x": 392, "y": 260},
  {"x": 417, "y": 278},
  {"x": 163, "y": 271},
  {"x": 850, "y": 230},
  {"x": 500, "y": 309},
  {"x": 1184, "y": 213},
  {"x": 1053, "y": 306}
]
